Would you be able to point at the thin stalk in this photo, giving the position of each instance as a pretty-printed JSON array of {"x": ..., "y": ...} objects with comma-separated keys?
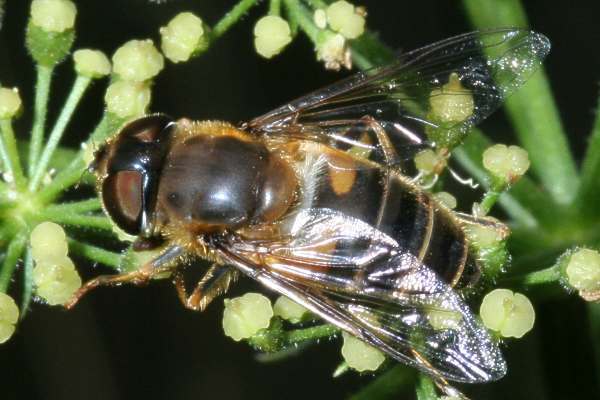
[
  {"x": 27, "y": 283},
  {"x": 594, "y": 318},
  {"x": 369, "y": 52},
  {"x": 76, "y": 207},
  {"x": 588, "y": 196},
  {"x": 71, "y": 174},
  {"x": 316, "y": 332},
  {"x": 79, "y": 87},
  {"x": 532, "y": 109},
  {"x": 303, "y": 17},
  {"x": 489, "y": 199},
  {"x": 10, "y": 153},
  {"x": 275, "y": 7},
  {"x": 541, "y": 277},
  {"x": 79, "y": 220},
  {"x": 40, "y": 107},
  {"x": 425, "y": 388},
  {"x": 275, "y": 338},
  {"x": 387, "y": 385},
  {"x": 95, "y": 253},
  {"x": 13, "y": 252},
  {"x": 317, "y": 4},
  {"x": 233, "y": 16}
]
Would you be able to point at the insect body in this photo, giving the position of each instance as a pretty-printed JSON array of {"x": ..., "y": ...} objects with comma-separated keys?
[{"x": 316, "y": 200}]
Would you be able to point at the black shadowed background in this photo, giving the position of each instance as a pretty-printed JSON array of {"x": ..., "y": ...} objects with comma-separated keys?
[{"x": 140, "y": 343}]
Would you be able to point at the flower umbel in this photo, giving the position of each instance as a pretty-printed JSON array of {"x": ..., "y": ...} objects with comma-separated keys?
[
  {"x": 137, "y": 61},
  {"x": 183, "y": 37},
  {"x": 510, "y": 314},
  {"x": 91, "y": 63},
  {"x": 583, "y": 273},
  {"x": 271, "y": 34},
  {"x": 244, "y": 316},
  {"x": 53, "y": 15},
  {"x": 344, "y": 18},
  {"x": 10, "y": 102},
  {"x": 359, "y": 355},
  {"x": 9, "y": 315}
]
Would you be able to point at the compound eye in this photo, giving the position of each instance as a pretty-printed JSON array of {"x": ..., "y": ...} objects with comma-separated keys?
[
  {"x": 122, "y": 197},
  {"x": 146, "y": 129}
]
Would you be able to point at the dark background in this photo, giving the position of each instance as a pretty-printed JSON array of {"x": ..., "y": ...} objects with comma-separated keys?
[{"x": 140, "y": 343}]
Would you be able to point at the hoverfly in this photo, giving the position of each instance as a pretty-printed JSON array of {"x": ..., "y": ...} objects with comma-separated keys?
[{"x": 285, "y": 200}]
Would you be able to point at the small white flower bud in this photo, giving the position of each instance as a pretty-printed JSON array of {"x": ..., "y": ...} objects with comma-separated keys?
[
  {"x": 10, "y": 103},
  {"x": 127, "y": 99},
  {"x": 271, "y": 34},
  {"x": 510, "y": 314},
  {"x": 506, "y": 163},
  {"x": 56, "y": 279},
  {"x": 48, "y": 240},
  {"x": 360, "y": 355},
  {"x": 430, "y": 162},
  {"x": 483, "y": 236},
  {"x": 183, "y": 37},
  {"x": 452, "y": 103},
  {"x": 289, "y": 309},
  {"x": 9, "y": 315},
  {"x": 443, "y": 319},
  {"x": 332, "y": 49},
  {"x": 91, "y": 63},
  {"x": 137, "y": 61},
  {"x": 320, "y": 18},
  {"x": 53, "y": 15},
  {"x": 446, "y": 199},
  {"x": 244, "y": 316},
  {"x": 344, "y": 18},
  {"x": 583, "y": 270}
]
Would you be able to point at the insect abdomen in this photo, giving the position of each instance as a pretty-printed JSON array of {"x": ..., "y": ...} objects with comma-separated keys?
[{"x": 398, "y": 208}]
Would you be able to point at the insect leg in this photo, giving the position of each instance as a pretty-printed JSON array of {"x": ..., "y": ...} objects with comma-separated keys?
[
  {"x": 215, "y": 282},
  {"x": 160, "y": 264},
  {"x": 389, "y": 152}
]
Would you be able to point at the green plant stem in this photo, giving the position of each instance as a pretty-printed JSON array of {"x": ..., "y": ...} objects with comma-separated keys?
[
  {"x": 27, "y": 283},
  {"x": 234, "y": 15},
  {"x": 532, "y": 108},
  {"x": 79, "y": 87},
  {"x": 541, "y": 277},
  {"x": 521, "y": 201},
  {"x": 13, "y": 252},
  {"x": 425, "y": 388},
  {"x": 388, "y": 384},
  {"x": 275, "y": 338},
  {"x": 40, "y": 107},
  {"x": 95, "y": 253},
  {"x": 274, "y": 7},
  {"x": 79, "y": 220},
  {"x": 588, "y": 196},
  {"x": 315, "y": 4},
  {"x": 75, "y": 170},
  {"x": 594, "y": 320},
  {"x": 312, "y": 333},
  {"x": 76, "y": 207},
  {"x": 303, "y": 17},
  {"x": 489, "y": 199},
  {"x": 10, "y": 153}
]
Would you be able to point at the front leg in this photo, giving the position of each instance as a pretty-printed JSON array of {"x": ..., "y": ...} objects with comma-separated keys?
[
  {"x": 215, "y": 282},
  {"x": 158, "y": 265}
]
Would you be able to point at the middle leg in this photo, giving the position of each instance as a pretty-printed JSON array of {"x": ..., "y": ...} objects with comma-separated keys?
[{"x": 215, "y": 282}]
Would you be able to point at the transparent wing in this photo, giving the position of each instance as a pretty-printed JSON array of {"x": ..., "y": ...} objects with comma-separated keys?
[
  {"x": 490, "y": 65},
  {"x": 360, "y": 280}
]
